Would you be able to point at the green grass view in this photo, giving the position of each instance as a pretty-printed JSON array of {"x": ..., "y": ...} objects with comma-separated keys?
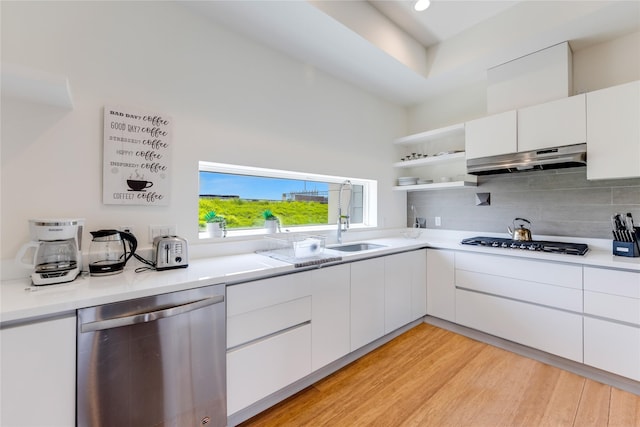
[{"x": 240, "y": 213}]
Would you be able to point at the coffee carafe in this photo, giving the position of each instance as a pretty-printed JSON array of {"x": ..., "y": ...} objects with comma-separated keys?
[
  {"x": 54, "y": 251},
  {"x": 108, "y": 252}
]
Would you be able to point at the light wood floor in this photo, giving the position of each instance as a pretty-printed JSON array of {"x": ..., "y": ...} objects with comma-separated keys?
[{"x": 433, "y": 377}]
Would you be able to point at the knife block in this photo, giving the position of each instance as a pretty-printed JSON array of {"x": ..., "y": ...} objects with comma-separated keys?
[{"x": 628, "y": 249}]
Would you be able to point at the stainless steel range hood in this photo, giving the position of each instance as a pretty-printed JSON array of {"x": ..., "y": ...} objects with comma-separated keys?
[{"x": 548, "y": 158}]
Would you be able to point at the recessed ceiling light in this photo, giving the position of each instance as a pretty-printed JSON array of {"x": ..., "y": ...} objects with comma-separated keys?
[{"x": 421, "y": 5}]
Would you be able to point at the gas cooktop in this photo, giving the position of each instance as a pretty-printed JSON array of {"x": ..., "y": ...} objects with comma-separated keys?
[{"x": 532, "y": 245}]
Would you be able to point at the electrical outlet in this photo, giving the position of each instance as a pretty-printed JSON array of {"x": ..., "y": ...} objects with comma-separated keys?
[
  {"x": 127, "y": 228},
  {"x": 438, "y": 221},
  {"x": 161, "y": 230}
]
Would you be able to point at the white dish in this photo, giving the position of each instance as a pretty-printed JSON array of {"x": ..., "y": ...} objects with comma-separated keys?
[{"x": 407, "y": 180}]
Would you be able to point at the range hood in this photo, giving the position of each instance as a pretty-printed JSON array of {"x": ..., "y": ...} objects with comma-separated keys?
[{"x": 548, "y": 158}]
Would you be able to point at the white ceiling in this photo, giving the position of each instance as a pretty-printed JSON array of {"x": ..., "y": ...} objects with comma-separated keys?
[
  {"x": 386, "y": 48},
  {"x": 443, "y": 20}
]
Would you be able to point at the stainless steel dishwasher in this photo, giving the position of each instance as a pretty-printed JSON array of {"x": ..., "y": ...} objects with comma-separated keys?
[{"x": 154, "y": 361}]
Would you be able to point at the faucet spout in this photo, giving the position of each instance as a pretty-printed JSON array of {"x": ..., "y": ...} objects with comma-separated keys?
[
  {"x": 343, "y": 225},
  {"x": 343, "y": 220}
]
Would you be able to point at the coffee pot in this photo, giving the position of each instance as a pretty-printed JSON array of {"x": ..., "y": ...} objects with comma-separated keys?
[
  {"x": 54, "y": 252},
  {"x": 108, "y": 252}
]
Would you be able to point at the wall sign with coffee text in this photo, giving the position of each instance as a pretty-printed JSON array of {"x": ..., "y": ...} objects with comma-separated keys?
[{"x": 137, "y": 157}]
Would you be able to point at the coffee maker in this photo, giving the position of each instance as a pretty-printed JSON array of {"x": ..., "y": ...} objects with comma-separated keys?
[{"x": 54, "y": 252}]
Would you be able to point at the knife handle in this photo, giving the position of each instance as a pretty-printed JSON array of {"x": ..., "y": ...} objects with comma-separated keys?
[{"x": 629, "y": 223}]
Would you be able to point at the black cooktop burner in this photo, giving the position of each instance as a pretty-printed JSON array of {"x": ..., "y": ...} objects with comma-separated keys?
[{"x": 533, "y": 245}]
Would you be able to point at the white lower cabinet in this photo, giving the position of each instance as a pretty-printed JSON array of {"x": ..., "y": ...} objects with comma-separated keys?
[
  {"x": 259, "y": 369},
  {"x": 367, "y": 301},
  {"x": 418, "y": 260},
  {"x": 441, "y": 287},
  {"x": 612, "y": 347},
  {"x": 554, "y": 331},
  {"x": 405, "y": 288},
  {"x": 281, "y": 329},
  {"x": 330, "y": 332},
  {"x": 38, "y": 373},
  {"x": 612, "y": 321},
  {"x": 268, "y": 337},
  {"x": 534, "y": 303}
]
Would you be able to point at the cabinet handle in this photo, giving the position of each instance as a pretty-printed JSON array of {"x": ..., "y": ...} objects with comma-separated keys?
[
  {"x": 268, "y": 336},
  {"x": 150, "y": 316}
]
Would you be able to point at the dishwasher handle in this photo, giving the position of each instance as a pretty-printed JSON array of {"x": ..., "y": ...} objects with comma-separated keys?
[{"x": 150, "y": 316}]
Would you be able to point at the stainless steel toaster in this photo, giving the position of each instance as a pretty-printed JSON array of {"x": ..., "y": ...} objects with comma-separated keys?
[{"x": 170, "y": 252}]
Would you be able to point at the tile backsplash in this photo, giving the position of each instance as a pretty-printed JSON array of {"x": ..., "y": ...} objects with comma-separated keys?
[{"x": 558, "y": 202}]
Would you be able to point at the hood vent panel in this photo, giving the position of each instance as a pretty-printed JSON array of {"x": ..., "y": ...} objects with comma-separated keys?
[{"x": 550, "y": 158}]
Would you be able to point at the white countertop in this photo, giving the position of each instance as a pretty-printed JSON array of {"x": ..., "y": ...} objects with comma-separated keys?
[{"x": 19, "y": 301}]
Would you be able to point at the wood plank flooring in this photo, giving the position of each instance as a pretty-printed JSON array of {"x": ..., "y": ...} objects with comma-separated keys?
[{"x": 432, "y": 377}]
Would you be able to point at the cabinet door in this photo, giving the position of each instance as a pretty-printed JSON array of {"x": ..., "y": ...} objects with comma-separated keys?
[
  {"x": 441, "y": 291},
  {"x": 256, "y": 370},
  {"x": 613, "y": 347},
  {"x": 250, "y": 296},
  {"x": 553, "y": 124},
  {"x": 613, "y": 132},
  {"x": 397, "y": 291},
  {"x": 418, "y": 283},
  {"x": 39, "y": 374},
  {"x": 612, "y": 294},
  {"x": 367, "y": 301},
  {"x": 554, "y": 331},
  {"x": 330, "y": 332},
  {"x": 492, "y": 135}
]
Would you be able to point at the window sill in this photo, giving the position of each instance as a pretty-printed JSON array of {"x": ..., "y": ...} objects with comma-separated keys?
[{"x": 259, "y": 232}]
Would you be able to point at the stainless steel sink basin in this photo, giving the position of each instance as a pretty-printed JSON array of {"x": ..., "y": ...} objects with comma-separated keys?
[{"x": 357, "y": 247}]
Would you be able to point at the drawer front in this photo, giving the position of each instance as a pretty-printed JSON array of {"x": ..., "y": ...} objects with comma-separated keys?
[
  {"x": 538, "y": 293},
  {"x": 251, "y": 296},
  {"x": 554, "y": 331},
  {"x": 551, "y": 273},
  {"x": 623, "y": 309},
  {"x": 246, "y": 327},
  {"x": 612, "y": 347},
  {"x": 614, "y": 282},
  {"x": 257, "y": 370}
]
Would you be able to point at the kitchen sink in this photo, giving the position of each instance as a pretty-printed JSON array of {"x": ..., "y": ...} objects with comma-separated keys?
[{"x": 357, "y": 247}]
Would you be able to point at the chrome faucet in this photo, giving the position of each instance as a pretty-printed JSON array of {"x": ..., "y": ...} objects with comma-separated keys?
[{"x": 343, "y": 220}]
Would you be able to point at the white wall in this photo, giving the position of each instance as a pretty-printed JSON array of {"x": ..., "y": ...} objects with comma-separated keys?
[
  {"x": 231, "y": 101},
  {"x": 607, "y": 64}
]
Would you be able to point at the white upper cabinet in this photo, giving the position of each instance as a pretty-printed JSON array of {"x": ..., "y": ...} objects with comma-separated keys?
[
  {"x": 552, "y": 124},
  {"x": 492, "y": 135},
  {"x": 613, "y": 132}
]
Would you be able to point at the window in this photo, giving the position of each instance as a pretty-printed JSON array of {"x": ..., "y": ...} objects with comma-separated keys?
[{"x": 244, "y": 198}]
